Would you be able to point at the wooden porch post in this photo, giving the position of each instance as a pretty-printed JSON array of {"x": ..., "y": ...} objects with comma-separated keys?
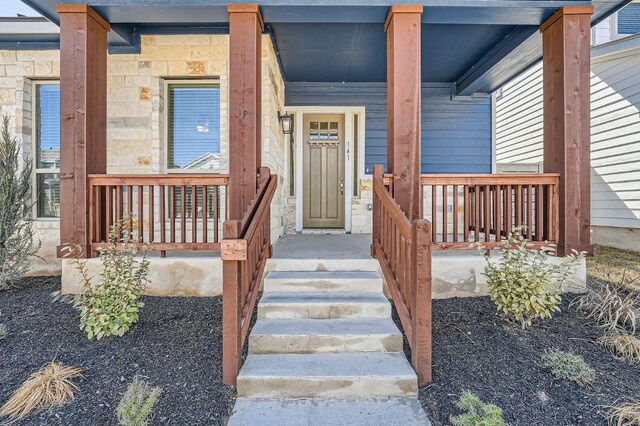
[
  {"x": 404, "y": 77},
  {"x": 245, "y": 87},
  {"x": 567, "y": 128},
  {"x": 83, "y": 110}
]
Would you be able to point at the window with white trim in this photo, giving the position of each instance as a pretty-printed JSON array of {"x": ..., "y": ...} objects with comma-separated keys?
[
  {"x": 193, "y": 126},
  {"x": 46, "y": 136}
]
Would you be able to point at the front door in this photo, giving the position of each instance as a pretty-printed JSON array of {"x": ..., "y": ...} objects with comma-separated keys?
[{"x": 323, "y": 171}]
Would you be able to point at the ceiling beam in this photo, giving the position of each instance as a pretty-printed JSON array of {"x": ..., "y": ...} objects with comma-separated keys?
[{"x": 493, "y": 62}]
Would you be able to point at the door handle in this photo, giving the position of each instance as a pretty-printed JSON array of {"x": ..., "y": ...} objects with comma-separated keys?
[{"x": 342, "y": 186}]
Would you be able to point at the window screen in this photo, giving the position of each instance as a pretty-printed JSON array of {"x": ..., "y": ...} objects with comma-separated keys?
[
  {"x": 194, "y": 126},
  {"x": 47, "y": 158}
]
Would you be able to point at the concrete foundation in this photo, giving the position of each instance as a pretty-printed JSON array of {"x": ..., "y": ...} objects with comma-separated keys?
[
  {"x": 622, "y": 238},
  {"x": 456, "y": 273},
  {"x": 170, "y": 276}
]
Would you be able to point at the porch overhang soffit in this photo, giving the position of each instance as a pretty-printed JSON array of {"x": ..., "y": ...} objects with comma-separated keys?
[{"x": 475, "y": 45}]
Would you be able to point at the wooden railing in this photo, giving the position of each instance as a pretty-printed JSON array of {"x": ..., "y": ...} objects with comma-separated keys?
[
  {"x": 245, "y": 249},
  {"x": 485, "y": 208},
  {"x": 172, "y": 212},
  {"x": 403, "y": 249}
]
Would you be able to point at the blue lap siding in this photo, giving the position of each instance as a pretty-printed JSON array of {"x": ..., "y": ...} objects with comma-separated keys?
[{"x": 456, "y": 134}]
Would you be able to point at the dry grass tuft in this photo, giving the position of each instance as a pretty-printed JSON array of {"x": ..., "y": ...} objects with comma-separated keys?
[
  {"x": 624, "y": 415},
  {"x": 611, "y": 308},
  {"x": 615, "y": 266},
  {"x": 49, "y": 387},
  {"x": 622, "y": 345}
]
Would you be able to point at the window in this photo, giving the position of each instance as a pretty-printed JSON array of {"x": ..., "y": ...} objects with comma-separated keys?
[
  {"x": 629, "y": 19},
  {"x": 193, "y": 127},
  {"x": 47, "y": 148}
]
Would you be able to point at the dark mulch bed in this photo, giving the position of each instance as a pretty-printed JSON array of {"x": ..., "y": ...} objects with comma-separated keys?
[
  {"x": 474, "y": 349},
  {"x": 176, "y": 345}
]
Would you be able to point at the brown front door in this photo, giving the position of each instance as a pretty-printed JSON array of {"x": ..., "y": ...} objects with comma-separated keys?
[{"x": 323, "y": 168}]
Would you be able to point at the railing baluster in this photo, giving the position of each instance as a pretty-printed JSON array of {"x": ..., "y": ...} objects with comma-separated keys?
[
  {"x": 539, "y": 211},
  {"x": 487, "y": 213},
  {"x": 194, "y": 214},
  {"x": 434, "y": 215},
  {"x": 183, "y": 214},
  {"x": 498, "y": 213},
  {"x": 455, "y": 213},
  {"x": 152, "y": 207},
  {"x": 140, "y": 214},
  {"x": 172, "y": 213},
  {"x": 109, "y": 212},
  {"x": 529, "y": 212},
  {"x": 129, "y": 202},
  {"x": 119, "y": 201},
  {"x": 476, "y": 213},
  {"x": 508, "y": 217},
  {"x": 467, "y": 214},
  {"x": 205, "y": 207},
  {"x": 445, "y": 229}
]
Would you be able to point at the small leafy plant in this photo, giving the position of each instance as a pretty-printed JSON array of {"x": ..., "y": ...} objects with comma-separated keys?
[
  {"x": 3, "y": 331},
  {"x": 137, "y": 403},
  {"x": 111, "y": 306},
  {"x": 477, "y": 413},
  {"x": 17, "y": 242},
  {"x": 567, "y": 366},
  {"x": 521, "y": 281}
]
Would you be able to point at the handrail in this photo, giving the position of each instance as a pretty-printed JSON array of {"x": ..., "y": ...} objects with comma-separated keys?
[
  {"x": 245, "y": 248},
  {"x": 172, "y": 211},
  {"x": 403, "y": 250},
  {"x": 473, "y": 208}
]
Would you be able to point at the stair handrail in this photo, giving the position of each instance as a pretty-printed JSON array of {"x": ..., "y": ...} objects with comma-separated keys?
[
  {"x": 245, "y": 248},
  {"x": 403, "y": 250}
]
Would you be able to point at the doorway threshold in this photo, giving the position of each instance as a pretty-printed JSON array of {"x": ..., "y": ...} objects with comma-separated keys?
[{"x": 323, "y": 231}]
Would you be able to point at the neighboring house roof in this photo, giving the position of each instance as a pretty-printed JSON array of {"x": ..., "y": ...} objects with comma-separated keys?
[
  {"x": 28, "y": 32},
  {"x": 616, "y": 46},
  {"x": 208, "y": 161},
  {"x": 477, "y": 45}
]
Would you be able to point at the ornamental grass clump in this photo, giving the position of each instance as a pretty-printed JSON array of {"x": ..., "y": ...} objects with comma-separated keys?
[
  {"x": 3, "y": 331},
  {"x": 111, "y": 306},
  {"x": 49, "y": 387},
  {"x": 611, "y": 307},
  {"x": 626, "y": 414},
  {"x": 137, "y": 403},
  {"x": 477, "y": 412},
  {"x": 567, "y": 366},
  {"x": 523, "y": 284},
  {"x": 622, "y": 345},
  {"x": 17, "y": 243}
]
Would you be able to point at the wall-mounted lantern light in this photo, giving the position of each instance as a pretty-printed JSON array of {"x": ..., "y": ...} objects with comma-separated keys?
[{"x": 286, "y": 121}]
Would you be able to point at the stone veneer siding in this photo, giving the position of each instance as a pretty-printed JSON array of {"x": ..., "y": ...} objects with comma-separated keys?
[{"x": 135, "y": 111}]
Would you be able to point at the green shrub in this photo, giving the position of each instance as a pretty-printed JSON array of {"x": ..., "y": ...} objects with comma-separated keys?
[
  {"x": 521, "y": 282},
  {"x": 567, "y": 366},
  {"x": 111, "y": 306},
  {"x": 137, "y": 403},
  {"x": 477, "y": 413},
  {"x": 17, "y": 243}
]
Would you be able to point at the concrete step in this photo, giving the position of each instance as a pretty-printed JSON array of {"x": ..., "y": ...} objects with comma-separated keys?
[
  {"x": 324, "y": 305},
  {"x": 305, "y": 336},
  {"x": 322, "y": 281},
  {"x": 365, "y": 375},
  {"x": 322, "y": 264},
  {"x": 401, "y": 411}
]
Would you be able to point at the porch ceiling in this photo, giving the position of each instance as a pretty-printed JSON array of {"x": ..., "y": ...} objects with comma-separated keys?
[{"x": 477, "y": 44}]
